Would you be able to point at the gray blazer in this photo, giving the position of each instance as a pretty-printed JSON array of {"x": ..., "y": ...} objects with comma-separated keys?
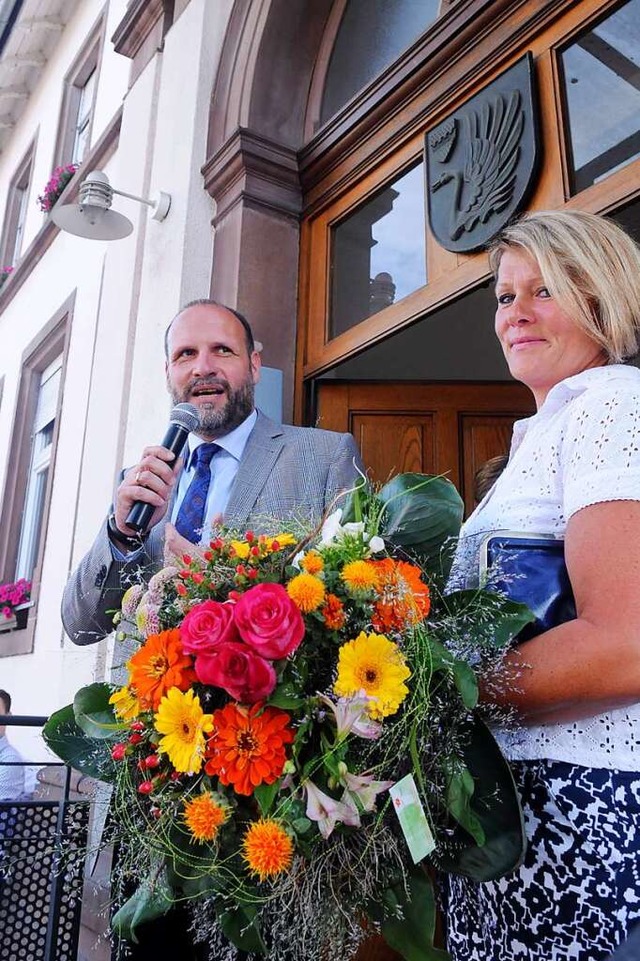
[{"x": 285, "y": 472}]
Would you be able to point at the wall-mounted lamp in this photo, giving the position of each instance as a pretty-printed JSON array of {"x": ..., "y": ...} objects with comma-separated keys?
[{"x": 91, "y": 216}]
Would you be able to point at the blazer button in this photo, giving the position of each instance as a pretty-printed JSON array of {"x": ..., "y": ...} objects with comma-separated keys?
[{"x": 101, "y": 576}]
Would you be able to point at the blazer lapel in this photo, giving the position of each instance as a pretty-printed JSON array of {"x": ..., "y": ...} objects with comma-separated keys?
[{"x": 258, "y": 460}]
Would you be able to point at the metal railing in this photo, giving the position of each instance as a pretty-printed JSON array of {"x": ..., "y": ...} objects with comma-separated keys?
[{"x": 43, "y": 849}]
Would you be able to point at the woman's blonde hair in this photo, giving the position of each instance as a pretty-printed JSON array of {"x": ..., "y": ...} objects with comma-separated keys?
[{"x": 591, "y": 267}]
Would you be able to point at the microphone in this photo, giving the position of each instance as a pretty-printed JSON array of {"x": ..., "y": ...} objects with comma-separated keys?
[{"x": 184, "y": 418}]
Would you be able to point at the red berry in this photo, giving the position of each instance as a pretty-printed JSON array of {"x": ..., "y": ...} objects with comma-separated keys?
[
  {"x": 152, "y": 761},
  {"x": 145, "y": 787},
  {"x": 118, "y": 752},
  {"x": 155, "y": 812},
  {"x": 175, "y": 776},
  {"x": 186, "y": 559},
  {"x": 255, "y": 551},
  {"x": 250, "y": 536},
  {"x": 135, "y": 738},
  {"x": 252, "y": 574},
  {"x": 137, "y": 725}
]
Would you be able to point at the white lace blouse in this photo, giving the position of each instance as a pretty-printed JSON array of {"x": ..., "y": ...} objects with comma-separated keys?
[{"x": 582, "y": 447}]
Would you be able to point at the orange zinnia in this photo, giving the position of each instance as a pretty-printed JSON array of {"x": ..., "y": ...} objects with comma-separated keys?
[
  {"x": 159, "y": 665},
  {"x": 404, "y": 598},
  {"x": 248, "y": 746}
]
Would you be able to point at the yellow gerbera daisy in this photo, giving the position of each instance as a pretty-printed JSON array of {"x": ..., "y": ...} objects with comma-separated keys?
[
  {"x": 126, "y": 705},
  {"x": 306, "y": 591},
  {"x": 373, "y": 664},
  {"x": 267, "y": 848},
  {"x": 312, "y": 562},
  {"x": 183, "y": 723},
  {"x": 360, "y": 577},
  {"x": 204, "y": 815}
]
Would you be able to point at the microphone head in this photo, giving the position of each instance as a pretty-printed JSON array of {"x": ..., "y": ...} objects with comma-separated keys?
[{"x": 185, "y": 415}]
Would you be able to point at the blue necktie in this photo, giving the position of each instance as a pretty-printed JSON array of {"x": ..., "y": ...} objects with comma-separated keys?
[{"x": 190, "y": 519}]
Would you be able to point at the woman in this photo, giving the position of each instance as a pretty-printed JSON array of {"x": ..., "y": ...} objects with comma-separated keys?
[{"x": 568, "y": 314}]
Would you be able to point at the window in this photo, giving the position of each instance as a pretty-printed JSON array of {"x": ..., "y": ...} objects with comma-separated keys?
[
  {"x": 83, "y": 119},
  {"x": 41, "y": 450},
  {"x": 601, "y": 79},
  {"x": 27, "y": 492},
  {"x": 16, "y": 211},
  {"x": 78, "y": 101},
  {"x": 378, "y": 252},
  {"x": 372, "y": 34}
]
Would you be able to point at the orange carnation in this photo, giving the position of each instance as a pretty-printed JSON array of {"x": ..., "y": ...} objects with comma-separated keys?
[
  {"x": 248, "y": 746},
  {"x": 159, "y": 665},
  {"x": 333, "y": 613},
  {"x": 403, "y": 599}
]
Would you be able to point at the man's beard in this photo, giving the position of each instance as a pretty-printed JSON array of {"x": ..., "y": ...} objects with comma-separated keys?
[{"x": 216, "y": 422}]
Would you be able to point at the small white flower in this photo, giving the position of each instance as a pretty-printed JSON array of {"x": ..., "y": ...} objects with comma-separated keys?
[
  {"x": 376, "y": 544},
  {"x": 331, "y": 527}
]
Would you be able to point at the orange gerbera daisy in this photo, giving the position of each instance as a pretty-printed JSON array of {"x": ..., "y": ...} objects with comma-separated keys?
[
  {"x": 248, "y": 746},
  {"x": 267, "y": 848},
  {"x": 204, "y": 815},
  {"x": 159, "y": 665},
  {"x": 306, "y": 592},
  {"x": 333, "y": 613},
  {"x": 404, "y": 598}
]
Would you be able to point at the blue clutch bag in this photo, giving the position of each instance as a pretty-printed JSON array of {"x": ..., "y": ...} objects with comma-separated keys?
[{"x": 530, "y": 569}]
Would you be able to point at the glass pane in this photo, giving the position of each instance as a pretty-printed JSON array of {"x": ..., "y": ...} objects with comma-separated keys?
[
  {"x": 372, "y": 34},
  {"x": 602, "y": 88},
  {"x": 378, "y": 253}
]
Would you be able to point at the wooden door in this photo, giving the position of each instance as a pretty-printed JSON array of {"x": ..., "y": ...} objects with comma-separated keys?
[
  {"x": 433, "y": 428},
  {"x": 436, "y": 428}
]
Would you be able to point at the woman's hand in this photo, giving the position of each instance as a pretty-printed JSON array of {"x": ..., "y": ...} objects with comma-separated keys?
[{"x": 591, "y": 664}]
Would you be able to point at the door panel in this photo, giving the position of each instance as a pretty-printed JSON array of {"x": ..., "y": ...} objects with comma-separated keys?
[{"x": 435, "y": 428}]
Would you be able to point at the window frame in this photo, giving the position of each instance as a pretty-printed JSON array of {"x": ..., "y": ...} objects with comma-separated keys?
[
  {"x": 18, "y": 195},
  {"x": 86, "y": 63},
  {"x": 51, "y": 341}
]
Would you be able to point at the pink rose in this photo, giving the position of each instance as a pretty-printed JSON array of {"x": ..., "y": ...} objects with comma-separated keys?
[
  {"x": 207, "y": 626},
  {"x": 239, "y": 671},
  {"x": 269, "y": 621}
]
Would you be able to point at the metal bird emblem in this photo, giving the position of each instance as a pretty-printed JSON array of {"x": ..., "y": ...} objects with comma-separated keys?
[{"x": 485, "y": 184}]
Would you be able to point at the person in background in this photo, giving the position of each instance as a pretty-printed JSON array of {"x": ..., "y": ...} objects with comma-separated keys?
[
  {"x": 12, "y": 778},
  {"x": 567, "y": 318},
  {"x": 486, "y": 476}
]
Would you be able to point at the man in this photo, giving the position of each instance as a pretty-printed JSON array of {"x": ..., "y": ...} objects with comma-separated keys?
[
  {"x": 261, "y": 470},
  {"x": 12, "y": 782}
]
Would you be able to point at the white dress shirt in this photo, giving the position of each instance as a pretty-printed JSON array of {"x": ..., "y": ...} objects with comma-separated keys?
[{"x": 581, "y": 448}]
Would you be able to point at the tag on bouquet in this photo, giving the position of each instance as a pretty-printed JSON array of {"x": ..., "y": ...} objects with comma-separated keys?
[{"x": 413, "y": 820}]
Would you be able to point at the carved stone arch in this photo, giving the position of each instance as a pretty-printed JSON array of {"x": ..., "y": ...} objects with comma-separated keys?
[{"x": 256, "y": 127}]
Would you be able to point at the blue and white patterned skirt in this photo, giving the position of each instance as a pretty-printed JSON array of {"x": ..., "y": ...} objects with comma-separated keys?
[{"x": 577, "y": 895}]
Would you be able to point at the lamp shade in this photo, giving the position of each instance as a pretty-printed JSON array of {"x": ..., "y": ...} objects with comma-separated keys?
[{"x": 90, "y": 221}]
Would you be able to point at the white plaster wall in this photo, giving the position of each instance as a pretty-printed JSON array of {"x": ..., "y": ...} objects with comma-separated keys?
[
  {"x": 126, "y": 292},
  {"x": 177, "y": 257}
]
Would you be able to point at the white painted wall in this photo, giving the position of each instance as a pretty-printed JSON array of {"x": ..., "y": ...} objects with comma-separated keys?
[{"x": 126, "y": 292}]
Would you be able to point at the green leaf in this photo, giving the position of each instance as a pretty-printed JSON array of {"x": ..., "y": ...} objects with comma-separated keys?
[
  {"x": 466, "y": 682},
  {"x": 460, "y": 788},
  {"x": 265, "y": 795},
  {"x": 496, "y": 805},
  {"x": 94, "y": 714},
  {"x": 421, "y": 513},
  {"x": 241, "y": 926},
  {"x": 285, "y": 698},
  {"x": 72, "y": 746},
  {"x": 411, "y": 935},
  {"x": 151, "y": 900}
]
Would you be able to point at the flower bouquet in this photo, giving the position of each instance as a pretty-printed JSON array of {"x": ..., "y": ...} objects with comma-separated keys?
[
  {"x": 55, "y": 186},
  {"x": 298, "y": 733}
]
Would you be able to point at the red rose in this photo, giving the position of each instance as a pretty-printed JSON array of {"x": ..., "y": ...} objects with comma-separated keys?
[
  {"x": 206, "y": 626},
  {"x": 269, "y": 621},
  {"x": 239, "y": 671}
]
